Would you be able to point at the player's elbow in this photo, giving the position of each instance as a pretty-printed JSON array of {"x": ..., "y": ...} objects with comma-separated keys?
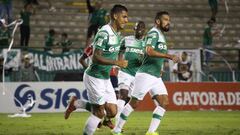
[
  {"x": 95, "y": 59},
  {"x": 81, "y": 61},
  {"x": 149, "y": 52}
]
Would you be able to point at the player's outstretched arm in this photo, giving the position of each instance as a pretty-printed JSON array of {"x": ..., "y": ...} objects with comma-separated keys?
[
  {"x": 89, "y": 6},
  {"x": 82, "y": 60},
  {"x": 97, "y": 57},
  {"x": 152, "y": 53}
]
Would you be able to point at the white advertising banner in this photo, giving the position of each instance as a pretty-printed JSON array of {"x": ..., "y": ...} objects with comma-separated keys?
[
  {"x": 194, "y": 57},
  {"x": 48, "y": 96}
]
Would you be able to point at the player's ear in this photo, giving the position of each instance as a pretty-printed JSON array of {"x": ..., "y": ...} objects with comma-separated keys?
[
  {"x": 115, "y": 16},
  {"x": 158, "y": 21}
]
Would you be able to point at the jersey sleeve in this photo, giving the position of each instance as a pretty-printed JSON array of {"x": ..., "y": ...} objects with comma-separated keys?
[
  {"x": 152, "y": 39},
  {"x": 101, "y": 40}
]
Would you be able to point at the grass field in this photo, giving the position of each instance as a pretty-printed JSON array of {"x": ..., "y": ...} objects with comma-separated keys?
[{"x": 173, "y": 123}]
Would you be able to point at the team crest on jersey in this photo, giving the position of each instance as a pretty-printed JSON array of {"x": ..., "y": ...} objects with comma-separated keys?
[
  {"x": 149, "y": 41},
  {"x": 99, "y": 42},
  {"x": 103, "y": 34}
]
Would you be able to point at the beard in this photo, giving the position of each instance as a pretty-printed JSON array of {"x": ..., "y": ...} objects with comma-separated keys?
[{"x": 166, "y": 28}]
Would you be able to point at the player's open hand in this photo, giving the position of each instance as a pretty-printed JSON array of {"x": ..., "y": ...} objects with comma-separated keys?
[
  {"x": 175, "y": 59},
  {"x": 122, "y": 63}
]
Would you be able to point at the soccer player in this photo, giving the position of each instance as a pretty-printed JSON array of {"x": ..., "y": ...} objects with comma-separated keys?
[
  {"x": 97, "y": 18},
  {"x": 96, "y": 77},
  {"x": 132, "y": 47},
  {"x": 78, "y": 103},
  {"x": 148, "y": 78}
]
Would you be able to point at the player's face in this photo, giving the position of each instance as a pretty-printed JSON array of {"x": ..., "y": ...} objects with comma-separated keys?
[
  {"x": 29, "y": 7},
  {"x": 121, "y": 19},
  {"x": 165, "y": 23},
  {"x": 26, "y": 61},
  {"x": 140, "y": 29},
  {"x": 211, "y": 24},
  {"x": 184, "y": 57},
  {"x": 98, "y": 4},
  {"x": 64, "y": 38}
]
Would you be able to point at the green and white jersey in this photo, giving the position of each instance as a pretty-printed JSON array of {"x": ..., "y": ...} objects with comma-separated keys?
[
  {"x": 108, "y": 41},
  {"x": 153, "y": 65},
  {"x": 133, "y": 53}
]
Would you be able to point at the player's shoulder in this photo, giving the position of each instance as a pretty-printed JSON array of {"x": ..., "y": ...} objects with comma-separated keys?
[
  {"x": 156, "y": 33},
  {"x": 153, "y": 32},
  {"x": 106, "y": 30}
]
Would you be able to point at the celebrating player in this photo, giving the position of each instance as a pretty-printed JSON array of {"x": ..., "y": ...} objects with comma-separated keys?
[
  {"x": 133, "y": 52},
  {"x": 148, "y": 77},
  {"x": 96, "y": 77}
]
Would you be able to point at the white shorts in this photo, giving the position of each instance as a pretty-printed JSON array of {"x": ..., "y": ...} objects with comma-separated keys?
[
  {"x": 147, "y": 83},
  {"x": 99, "y": 90},
  {"x": 125, "y": 80}
]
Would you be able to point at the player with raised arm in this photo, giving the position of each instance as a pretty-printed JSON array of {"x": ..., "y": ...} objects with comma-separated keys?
[
  {"x": 96, "y": 77},
  {"x": 148, "y": 77}
]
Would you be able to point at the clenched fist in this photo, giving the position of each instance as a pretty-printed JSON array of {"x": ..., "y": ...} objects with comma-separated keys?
[
  {"x": 175, "y": 59},
  {"x": 122, "y": 63}
]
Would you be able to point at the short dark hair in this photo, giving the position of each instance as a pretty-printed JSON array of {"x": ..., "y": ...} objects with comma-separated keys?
[
  {"x": 138, "y": 23},
  {"x": 116, "y": 9},
  {"x": 26, "y": 5},
  {"x": 51, "y": 32},
  {"x": 211, "y": 21},
  {"x": 160, "y": 14},
  {"x": 185, "y": 53},
  {"x": 64, "y": 34}
]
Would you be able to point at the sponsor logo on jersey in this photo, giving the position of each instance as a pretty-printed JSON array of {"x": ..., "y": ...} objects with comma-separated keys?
[
  {"x": 114, "y": 49},
  {"x": 134, "y": 50}
]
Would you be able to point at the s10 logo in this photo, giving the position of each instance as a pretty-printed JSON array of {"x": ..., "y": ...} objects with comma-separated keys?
[
  {"x": 48, "y": 97},
  {"x": 21, "y": 98}
]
